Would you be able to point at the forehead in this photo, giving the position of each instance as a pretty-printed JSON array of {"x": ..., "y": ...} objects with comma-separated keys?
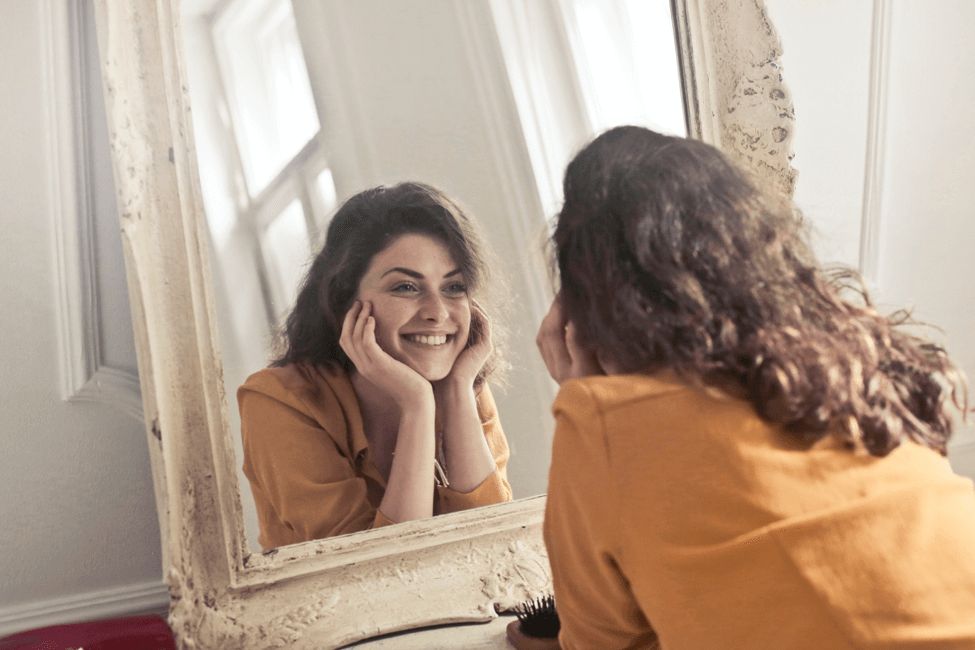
[{"x": 422, "y": 253}]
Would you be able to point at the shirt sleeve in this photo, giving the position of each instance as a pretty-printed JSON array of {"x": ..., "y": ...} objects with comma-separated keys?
[
  {"x": 303, "y": 486},
  {"x": 495, "y": 488},
  {"x": 581, "y": 528}
]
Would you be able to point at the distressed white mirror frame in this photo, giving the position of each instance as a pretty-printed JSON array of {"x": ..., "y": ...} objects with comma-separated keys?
[{"x": 459, "y": 567}]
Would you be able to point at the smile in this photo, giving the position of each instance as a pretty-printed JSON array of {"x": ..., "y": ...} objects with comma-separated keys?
[{"x": 432, "y": 341}]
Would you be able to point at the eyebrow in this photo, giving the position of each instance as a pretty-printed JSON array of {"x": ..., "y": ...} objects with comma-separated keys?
[{"x": 412, "y": 273}]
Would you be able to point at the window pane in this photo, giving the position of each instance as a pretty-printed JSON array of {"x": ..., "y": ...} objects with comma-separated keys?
[
  {"x": 325, "y": 186},
  {"x": 286, "y": 255},
  {"x": 627, "y": 61},
  {"x": 267, "y": 86},
  {"x": 326, "y": 200}
]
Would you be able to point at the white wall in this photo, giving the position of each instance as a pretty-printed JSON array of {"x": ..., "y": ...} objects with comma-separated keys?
[
  {"x": 928, "y": 230},
  {"x": 883, "y": 93},
  {"x": 78, "y": 527}
]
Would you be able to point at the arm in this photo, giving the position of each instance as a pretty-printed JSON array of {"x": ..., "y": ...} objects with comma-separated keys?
[
  {"x": 495, "y": 487},
  {"x": 474, "y": 445},
  {"x": 408, "y": 491},
  {"x": 582, "y": 514},
  {"x": 408, "y": 495},
  {"x": 468, "y": 457},
  {"x": 581, "y": 528}
]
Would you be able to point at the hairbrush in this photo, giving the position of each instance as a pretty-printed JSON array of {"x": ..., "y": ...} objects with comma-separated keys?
[{"x": 537, "y": 626}]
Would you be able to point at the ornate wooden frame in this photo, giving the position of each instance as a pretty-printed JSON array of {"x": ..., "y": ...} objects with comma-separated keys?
[{"x": 460, "y": 567}]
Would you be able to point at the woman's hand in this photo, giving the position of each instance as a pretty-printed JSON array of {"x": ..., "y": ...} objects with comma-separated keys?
[
  {"x": 564, "y": 355},
  {"x": 472, "y": 358},
  {"x": 469, "y": 459},
  {"x": 403, "y": 384}
]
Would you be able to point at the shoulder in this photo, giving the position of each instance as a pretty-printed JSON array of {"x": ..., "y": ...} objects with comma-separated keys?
[
  {"x": 300, "y": 386},
  {"x": 627, "y": 411},
  {"x": 592, "y": 397},
  {"x": 298, "y": 399}
]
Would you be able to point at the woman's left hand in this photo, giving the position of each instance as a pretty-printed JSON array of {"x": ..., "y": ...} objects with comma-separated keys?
[
  {"x": 563, "y": 353},
  {"x": 473, "y": 357}
]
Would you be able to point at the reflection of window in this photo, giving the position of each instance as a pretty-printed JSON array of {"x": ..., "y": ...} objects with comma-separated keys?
[
  {"x": 286, "y": 251},
  {"x": 626, "y": 62},
  {"x": 325, "y": 189},
  {"x": 579, "y": 67},
  {"x": 267, "y": 86},
  {"x": 266, "y": 184}
]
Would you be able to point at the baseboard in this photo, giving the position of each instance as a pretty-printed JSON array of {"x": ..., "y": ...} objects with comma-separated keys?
[{"x": 144, "y": 598}]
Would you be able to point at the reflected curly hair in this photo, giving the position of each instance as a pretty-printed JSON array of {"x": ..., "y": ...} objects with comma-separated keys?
[
  {"x": 363, "y": 226},
  {"x": 670, "y": 257}
]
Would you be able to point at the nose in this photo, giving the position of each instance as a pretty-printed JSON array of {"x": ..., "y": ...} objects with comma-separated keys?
[{"x": 434, "y": 308}]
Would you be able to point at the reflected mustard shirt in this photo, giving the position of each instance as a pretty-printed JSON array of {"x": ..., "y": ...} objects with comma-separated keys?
[{"x": 307, "y": 457}]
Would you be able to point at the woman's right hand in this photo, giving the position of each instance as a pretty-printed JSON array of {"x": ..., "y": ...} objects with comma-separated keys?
[
  {"x": 563, "y": 353},
  {"x": 404, "y": 385}
]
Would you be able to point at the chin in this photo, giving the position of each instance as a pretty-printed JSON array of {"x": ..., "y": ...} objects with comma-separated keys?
[
  {"x": 432, "y": 369},
  {"x": 432, "y": 374}
]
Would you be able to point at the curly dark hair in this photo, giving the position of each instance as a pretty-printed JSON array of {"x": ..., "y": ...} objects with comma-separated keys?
[
  {"x": 670, "y": 257},
  {"x": 365, "y": 225}
]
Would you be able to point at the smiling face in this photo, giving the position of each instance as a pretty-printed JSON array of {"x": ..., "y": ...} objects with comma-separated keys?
[{"x": 420, "y": 303}]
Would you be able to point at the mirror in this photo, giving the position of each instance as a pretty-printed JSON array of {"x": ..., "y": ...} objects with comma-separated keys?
[
  {"x": 298, "y": 106},
  {"x": 465, "y": 566}
]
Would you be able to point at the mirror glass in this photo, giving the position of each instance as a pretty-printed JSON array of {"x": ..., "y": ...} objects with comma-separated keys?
[{"x": 299, "y": 105}]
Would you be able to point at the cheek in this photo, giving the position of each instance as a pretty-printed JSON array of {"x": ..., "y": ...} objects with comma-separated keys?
[
  {"x": 385, "y": 332},
  {"x": 388, "y": 321}
]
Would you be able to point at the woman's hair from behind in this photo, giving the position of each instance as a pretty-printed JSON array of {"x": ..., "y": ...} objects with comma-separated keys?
[
  {"x": 362, "y": 227},
  {"x": 670, "y": 257}
]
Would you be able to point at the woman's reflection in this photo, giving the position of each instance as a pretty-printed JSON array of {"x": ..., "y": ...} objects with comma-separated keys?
[{"x": 379, "y": 410}]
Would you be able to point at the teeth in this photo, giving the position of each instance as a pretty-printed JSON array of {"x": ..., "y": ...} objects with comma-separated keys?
[{"x": 428, "y": 340}]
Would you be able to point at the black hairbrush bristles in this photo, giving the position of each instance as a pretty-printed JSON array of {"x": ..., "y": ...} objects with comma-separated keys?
[{"x": 538, "y": 618}]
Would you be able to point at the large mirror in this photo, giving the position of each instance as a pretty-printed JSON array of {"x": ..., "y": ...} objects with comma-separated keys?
[{"x": 297, "y": 106}]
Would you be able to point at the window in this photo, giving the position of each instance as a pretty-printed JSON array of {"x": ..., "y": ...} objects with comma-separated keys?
[
  {"x": 266, "y": 83},
  {"x": 266, "y": 183},
  {"x": 626, "y": 62},
  {"x": 579, "y": 67}
]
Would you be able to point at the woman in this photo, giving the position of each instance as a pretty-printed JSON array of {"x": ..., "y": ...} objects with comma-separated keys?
[
  {"x": 745, "y": 456},
  {"x": 379, "y": 411}
]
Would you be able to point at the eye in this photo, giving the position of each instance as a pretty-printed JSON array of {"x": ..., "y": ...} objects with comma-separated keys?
[
  {"x": 456, "y": 289},
  {"x": 405, "y": 287}
]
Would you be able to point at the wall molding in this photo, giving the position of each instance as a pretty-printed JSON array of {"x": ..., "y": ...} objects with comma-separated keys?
[
  {"x": 141, "y": 598},
  {"x": 873, "y": 181},
  {"x": 84, "y": 375}
]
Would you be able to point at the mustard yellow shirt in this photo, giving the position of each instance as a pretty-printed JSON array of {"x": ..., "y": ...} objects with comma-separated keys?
[
  {"x": 679, "y": 516},
  {"x": 307, "y": 458}
]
